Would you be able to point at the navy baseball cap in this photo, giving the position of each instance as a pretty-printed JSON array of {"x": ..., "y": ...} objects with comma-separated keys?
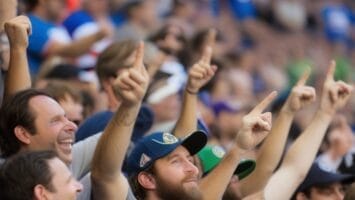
[
  {"x": 157, "y": 145},
  {"x": 318, "y": 176}
]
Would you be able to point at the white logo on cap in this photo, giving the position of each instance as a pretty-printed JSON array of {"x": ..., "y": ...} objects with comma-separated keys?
[
  {"x": 167, "y": 139},
  {"x": 144, "y": 160},
  {"x": 218, "y": 151}
]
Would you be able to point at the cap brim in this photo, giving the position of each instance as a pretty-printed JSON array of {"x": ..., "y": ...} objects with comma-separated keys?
[
  {"x": 317, "y": 176},
  {"x": 245, "y": 167},
  {"x": 343, "y": 178},
  {"x": 195, "y": 142}
]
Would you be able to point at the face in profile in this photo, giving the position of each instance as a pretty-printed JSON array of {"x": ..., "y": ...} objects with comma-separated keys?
[
  {"x": 65, "y": 186},
  {"x": 53, "y": 129}
]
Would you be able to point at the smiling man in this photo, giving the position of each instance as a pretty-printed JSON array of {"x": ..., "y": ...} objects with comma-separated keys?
[{"x": 31, "y": 121}]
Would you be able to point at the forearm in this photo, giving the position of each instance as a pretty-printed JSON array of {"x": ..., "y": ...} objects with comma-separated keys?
[
  {"x": 75, "y": 48},
  {"x": 114, "y": 141},
  {"x": 18, "y": 76},
  {"x": 187, "y": 122},
  {"x": 270, "y": 154},
  {"x": 215, "y": 183},
  {"x": 7, "y": 11},
  {"x": 303, "y": 151},
  {"x": 299, "y": 158}
]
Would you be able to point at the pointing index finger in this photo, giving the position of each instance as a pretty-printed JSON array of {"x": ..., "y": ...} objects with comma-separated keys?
[
  {"x": 264, "y": 103},
  {"x": 207, "y": 54},
  {"x": 211, "y": 37},
  {"x": 331, "y": 70},
  {"x": 138, "y": 62},
  {"x": 304, "y": 77}
]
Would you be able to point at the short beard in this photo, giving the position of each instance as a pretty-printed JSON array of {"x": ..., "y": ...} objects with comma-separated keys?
[{"x": 166, "y": 191}]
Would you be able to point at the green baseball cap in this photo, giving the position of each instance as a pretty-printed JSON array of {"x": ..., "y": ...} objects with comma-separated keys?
[{"x": 211, "y": 155}]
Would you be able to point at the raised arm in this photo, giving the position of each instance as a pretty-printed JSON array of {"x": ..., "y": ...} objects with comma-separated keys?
[
  {"x": 107, "y": 178},
  {"x": 18, "y": 75},
  {"x": 256, "y": 125},
  {"x": 273, "y": 146},
  {"x": 199, "y": 74},
  {"x": 81, "y": 45},
  {"x": 7, "y": 11},
  {"x": 302, "y": 152}
]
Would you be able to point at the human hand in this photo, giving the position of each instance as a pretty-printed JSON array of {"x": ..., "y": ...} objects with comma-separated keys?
[
  {"x": 255, "y": 125},
  {"x": 131, "y": 84},
  {"x": 201, "y": 72},
  {"x": 301, "y": 95},
  {"x": 17, "y": 30},
  {"x": 335, "y": 94}
]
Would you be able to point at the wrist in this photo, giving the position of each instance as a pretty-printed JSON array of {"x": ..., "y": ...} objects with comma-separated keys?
[
  {"x": 285, "y": 110},
  {"x": 130, "y": 105},
  {"x": 236, "y": 150},
  {"x": 189, "y": 91},
  {"x": 325, "y": 114},
  {"x": 18, "y": 48}
]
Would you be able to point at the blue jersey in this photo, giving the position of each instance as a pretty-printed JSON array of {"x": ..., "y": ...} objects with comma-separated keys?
[
  {"x": 81, "y": 24},
  {"x": 43, "y": 32}
]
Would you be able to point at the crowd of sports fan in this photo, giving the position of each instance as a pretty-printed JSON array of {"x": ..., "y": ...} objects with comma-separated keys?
[{"x": 177, "y": 99}]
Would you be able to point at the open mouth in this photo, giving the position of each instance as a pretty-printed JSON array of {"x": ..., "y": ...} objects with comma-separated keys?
[{"x": 66, "y": 146}]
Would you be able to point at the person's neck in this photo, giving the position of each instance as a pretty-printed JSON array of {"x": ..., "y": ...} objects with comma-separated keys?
[{"x": 151, "y": 195}]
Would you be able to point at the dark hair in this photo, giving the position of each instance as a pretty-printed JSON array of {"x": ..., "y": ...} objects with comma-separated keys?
[
  {"x": 163, "y": 32},
  {"x": 63, "y": 71},
  {"x": 306, "y": 192},
  {"x": 16, "y": 112},
  {"x": 30, "y": 4},
  {"x": 137, "y": 189},
  {"x": 22, "y": 172}
]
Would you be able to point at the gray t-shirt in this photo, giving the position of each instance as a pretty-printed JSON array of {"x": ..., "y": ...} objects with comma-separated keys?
[
  {"x": 85, "y": 194},
  {"x": 83, "y": 153}
]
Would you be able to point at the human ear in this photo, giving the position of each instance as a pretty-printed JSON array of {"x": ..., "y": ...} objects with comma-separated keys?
[
  {"x": 301, "y": 196},
  {"x": 22, "y": 134},
  {"x": 146, "y": 180},
  {"x": 40, "y": 192}
]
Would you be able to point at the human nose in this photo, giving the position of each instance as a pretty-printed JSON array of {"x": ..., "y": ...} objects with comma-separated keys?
[
  {"x": 191, "y": 168},
  {"x": 71, "y": 125}
]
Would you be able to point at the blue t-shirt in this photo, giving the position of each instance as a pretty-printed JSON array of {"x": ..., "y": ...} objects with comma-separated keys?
[
  {"x": 43, "y": 32},
  {"x": 81, "y": 24}
]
